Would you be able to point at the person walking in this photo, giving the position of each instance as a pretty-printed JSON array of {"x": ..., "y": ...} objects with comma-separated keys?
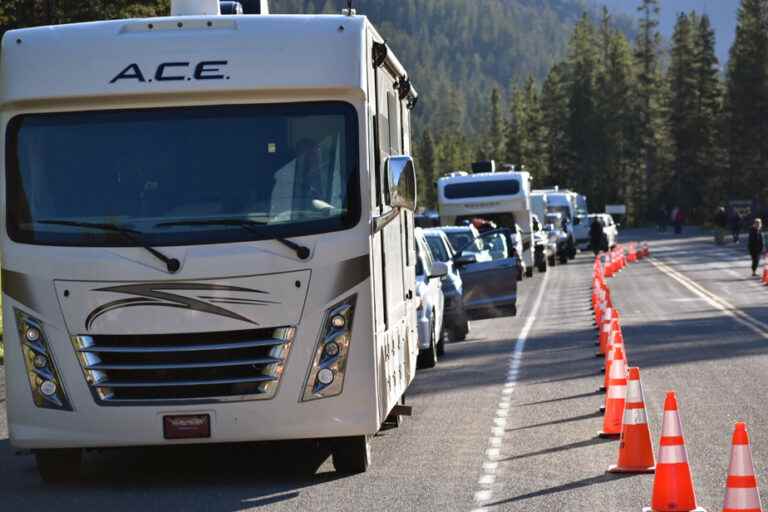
[
  {"x": 736, "y": 225},
  {"x": 755, "y": 244},
  {"x": 721, "y": 223},
  {"x": 596, "y": 235}
]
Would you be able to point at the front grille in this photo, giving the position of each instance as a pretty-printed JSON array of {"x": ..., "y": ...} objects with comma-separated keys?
[{"x": 126, "y": 369}]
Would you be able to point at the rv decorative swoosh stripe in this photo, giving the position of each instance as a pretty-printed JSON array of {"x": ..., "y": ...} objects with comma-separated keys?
[{"x": 156, "y": 294}]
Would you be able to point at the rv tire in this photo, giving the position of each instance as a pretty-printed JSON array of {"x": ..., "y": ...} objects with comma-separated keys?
[
  {"x": 59, "y": 466},
  {"x": 351, "y": 455}
]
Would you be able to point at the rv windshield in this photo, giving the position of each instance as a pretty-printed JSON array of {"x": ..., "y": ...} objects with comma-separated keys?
[{"x": 290, "y": 169}]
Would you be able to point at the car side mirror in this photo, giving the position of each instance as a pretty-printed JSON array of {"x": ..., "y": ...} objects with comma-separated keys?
[
  {"x": 439, "y": 269},
  {"x": 401, "y": 176},
  {"x": 465, "y": 259}
]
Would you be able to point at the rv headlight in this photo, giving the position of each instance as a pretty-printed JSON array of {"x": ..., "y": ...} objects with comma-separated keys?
[
  {"x": 44, "y": 380},
  {"x": 325, "y": 377}
]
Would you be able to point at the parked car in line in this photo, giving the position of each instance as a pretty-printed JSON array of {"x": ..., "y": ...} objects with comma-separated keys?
[
  {"x": 455, "y": 322},
  {"x": 553, "y": 226},
  {"x": 489, "y": 286},
  {"x": 545, "y": 249},
  {"x": 610, "y": 229},
  {"x": 466, "y": 239},
  {"x": 429, "y": 315}
]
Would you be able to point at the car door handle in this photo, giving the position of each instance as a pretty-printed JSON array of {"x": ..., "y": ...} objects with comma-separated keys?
[{"x": 409, "y": 295}]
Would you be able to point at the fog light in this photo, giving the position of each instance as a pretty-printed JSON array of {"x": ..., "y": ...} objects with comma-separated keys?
[
  {"x": 331, "y": 349},
  {"x": 48, "y": 388},
  {"x": 40, "y": 361},
  {"x": 32, "y": 334},
  {"x": 338, "y": 321},
  {"x": 325, "y": 376}
]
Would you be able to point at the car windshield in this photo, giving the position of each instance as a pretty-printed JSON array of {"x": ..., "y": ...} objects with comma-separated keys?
[
  {"x": 438, "y": 249},
  {"x": 290, "y": 169},
  {"x": 462, "y": 240}
]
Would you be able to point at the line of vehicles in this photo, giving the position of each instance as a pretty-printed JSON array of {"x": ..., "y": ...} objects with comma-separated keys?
[
  {"x": 491, "y": 232},
  {"x": 208, "y": 234}
]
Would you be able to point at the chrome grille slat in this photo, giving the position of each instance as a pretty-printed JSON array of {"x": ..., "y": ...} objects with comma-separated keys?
[
  {"x": 180, "y": 366},
  {"x": 184, "y": 368},
  {"x": 185, "y": 348},
  {"x": 148, "y": 384}
]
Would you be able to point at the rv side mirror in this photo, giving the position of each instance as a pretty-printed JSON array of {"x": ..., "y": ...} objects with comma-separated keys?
[
  {"x": 401, "y": 175},
  {"x": 439, "y": 269},
  {"x": 465, "y": 259}
]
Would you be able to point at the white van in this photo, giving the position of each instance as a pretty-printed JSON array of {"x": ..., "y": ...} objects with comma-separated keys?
[{"x": 208, "y": 233}]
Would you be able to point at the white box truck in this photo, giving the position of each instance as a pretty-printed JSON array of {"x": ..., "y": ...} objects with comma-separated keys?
[{"x": 207, "y": 234}]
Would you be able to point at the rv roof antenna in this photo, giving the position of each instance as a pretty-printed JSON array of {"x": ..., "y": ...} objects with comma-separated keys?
[{"x": 349, "y": 11}]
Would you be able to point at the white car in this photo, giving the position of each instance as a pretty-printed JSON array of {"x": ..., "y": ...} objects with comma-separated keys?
[{"x": 429, "y": 273}]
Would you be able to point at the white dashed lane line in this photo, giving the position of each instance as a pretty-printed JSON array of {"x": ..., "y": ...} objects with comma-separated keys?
[{"x": 490, "y": 470}]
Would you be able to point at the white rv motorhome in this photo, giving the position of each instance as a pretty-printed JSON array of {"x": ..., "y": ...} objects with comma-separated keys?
[
  {"x": 502, "y": 197},
  {"x": 207, "y": 234}
]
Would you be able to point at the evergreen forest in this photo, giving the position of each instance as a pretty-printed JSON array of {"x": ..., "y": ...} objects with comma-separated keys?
[{"x": 578, "y": 96}]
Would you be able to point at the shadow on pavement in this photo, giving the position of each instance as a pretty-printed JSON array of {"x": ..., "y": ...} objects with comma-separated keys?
[
  {"x": 599, "y": 479},
  {"x": 223, "y": 477}
]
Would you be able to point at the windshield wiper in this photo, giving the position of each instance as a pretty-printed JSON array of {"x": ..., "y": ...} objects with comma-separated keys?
[
  {"x": 133, "y": 235},
  {"x": 250, "y": 225}
]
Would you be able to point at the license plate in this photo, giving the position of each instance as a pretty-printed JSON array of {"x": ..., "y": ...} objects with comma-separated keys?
[{"x": 191, "y": 426}]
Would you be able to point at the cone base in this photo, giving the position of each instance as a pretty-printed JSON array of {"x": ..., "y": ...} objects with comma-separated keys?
[
  {"x": 697, "y": 509},
  {"x": 608, "y": 435},
  {"x": 616, "y": 469}
]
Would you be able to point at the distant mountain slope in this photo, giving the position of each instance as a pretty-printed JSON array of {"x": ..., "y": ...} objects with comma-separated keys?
[
  {"x": 721, "y": 12},
  {"x": 461, "y": 49}
]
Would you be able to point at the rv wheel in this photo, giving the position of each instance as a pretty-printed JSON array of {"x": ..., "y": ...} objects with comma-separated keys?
[
  {"x": 352, "y": 455},
  {"x": 59, "y": 466},
  {"x": 552, "y": 261},
  {"x": 529, "y": 272}
]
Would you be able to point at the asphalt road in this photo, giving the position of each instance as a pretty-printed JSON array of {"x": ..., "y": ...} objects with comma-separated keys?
[{"x": 507, "y": 421}]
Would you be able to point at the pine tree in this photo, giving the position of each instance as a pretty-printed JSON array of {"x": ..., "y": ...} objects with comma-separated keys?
[
  {"x": 427, "y": 171},
  {"x": 683, "y": 115},
  {"x": 554, "y": 118},
  {"x": 495, "y": 127},
  {"x": 747, "y": 107},
  {"x": 710, "y": 155},
  {"x": 647, "y": 185}
]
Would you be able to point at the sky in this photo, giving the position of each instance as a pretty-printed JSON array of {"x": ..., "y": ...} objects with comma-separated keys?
[{"x": 722, "y": 13}]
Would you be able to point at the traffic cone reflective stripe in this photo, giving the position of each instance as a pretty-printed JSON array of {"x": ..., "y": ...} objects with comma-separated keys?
[
  {"x": 615, "y": 396},
  {"x": 673, "y": 484},
  {"x": 741, "y": 492},
  {"x": 635, "y": 446}
]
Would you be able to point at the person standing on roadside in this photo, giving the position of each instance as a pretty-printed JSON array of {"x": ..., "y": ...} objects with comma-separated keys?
[
  {"x": 721, "y": 223},
  {"x": 755, "y": 244},
  {"x": 736, "y": 225}
]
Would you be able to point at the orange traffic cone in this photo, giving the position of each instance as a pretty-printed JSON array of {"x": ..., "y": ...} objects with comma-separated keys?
[
  {"x": 610, "y": 357},
  {"x": 765, "y": 271},
  {"x": 673, "y": 483},
  {"x": 741, "y": 494},
  {"x": 635, "y": 447},
  {"x": 606, "y": 329},
  {"x": 615, "y": 396}
]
